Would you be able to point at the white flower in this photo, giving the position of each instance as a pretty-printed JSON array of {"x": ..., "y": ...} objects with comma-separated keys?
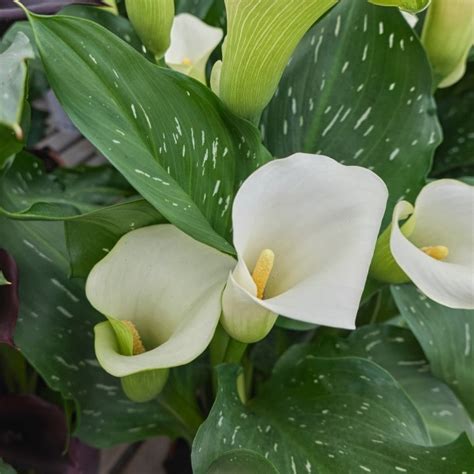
[
  {"x": 192, "y": 42},
  {"x": 168, "y": 288},
  {"x": 435, "y": 247},
  {"x": 305, "y": 229}
]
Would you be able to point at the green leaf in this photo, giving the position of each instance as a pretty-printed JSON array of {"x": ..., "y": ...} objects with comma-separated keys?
[
  {"x": 117, "y": 24},
  {"x": 76, "y": 197},
  {"x": 55, "y": 333},
  {"x": 3, "y": 280},
  {"x": 200, "y": 8},
  {"x": 397, "y": 351},
  {"x": 241, "y": 462},
  {"x": 148, "y": 120},
  {"x": 358, "y": 89},
  {"x": 325, "y": 415},
  {"x": 455, "y": 156},
  {"x": 28, "y": 192},
  {"x": 91, "y": 236},
  {"x": 412, "y": 6},
  {"x": 13, "y": 75},
  {"x": 6, "y": 469},
  {"x": 446, "y": 336}
]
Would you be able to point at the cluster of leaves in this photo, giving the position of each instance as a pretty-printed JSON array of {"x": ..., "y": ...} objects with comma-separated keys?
[{"x": 394, "y": 396}]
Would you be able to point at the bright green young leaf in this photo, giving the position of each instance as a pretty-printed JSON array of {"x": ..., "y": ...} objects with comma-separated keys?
[
  {"x": 358, "y": 89},
  {"x": 27, "y": 192},
  {"x": 150, "y": 121},
  {"x": 13, "y": 75},
  {"x": 55, "y": 333},
  {"x": 3, "y": 280},
  {"x": 397, "y": 351},
  {"x": 325, "y": 415},
  {"x": 412, "y": 6},
  {"x": 446, "y": 336},
  {"x": 455, "y": 156}
]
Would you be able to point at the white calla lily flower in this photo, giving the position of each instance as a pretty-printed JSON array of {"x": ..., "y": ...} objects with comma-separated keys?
[
  {"x": 305, "y": 229},
  {"x": 167, "y": 287},
  {"x": 435, "y": 247},
  {"x": 192, "y": 42}
]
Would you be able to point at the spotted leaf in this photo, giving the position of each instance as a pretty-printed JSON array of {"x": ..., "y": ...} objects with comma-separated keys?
[
  {"x": 358, "y": 89},
  {"x": 55, "y": 333},
  {"x": 13, "y": 74},
  {"x": 397, "y": 351},
  {"x": 455, "y": 156},
  {"x": 447, "y": 337},
  {"x": 325, "y": 415},
  {"x": 167, "y": 134}
]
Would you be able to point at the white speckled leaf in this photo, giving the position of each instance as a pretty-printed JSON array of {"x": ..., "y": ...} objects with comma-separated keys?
[
  {"x": 55, "y": 333},
  {"x": 13, "y": 74},
  {"x": 358, "y": 89},
  {"x": 446, "y": 336},
  {"x": 27, "y": 192},
  {"x": 326, "y": 415},
  {"x": 76, "y": 197},
  {"x": 167, "y": 134},
  {"x": 397, "y": 351},
  {"x": 455, "y": 156}
]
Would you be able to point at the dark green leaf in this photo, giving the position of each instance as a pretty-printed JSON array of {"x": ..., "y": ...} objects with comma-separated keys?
[
  {"x": 447, "y": 337},
  {"x": 197, "y": 8},
  {"x": 241, "y": 462},
  {"x": 117, "y": 24},
  {"x": 326, "y": 415},
  {"x": 13, "y": 74},
  {"x": 455, "y": 156},
  {"x": 54, "y": 332},
  {"x": 358, "y": 89},
  {"x": 28, "y": 192},
  {"x": 91, "y": 236},
  {"x": 6, "y": 469},
  {"x": 148, "y": 120},
  {"x": 398, "y": 352}
]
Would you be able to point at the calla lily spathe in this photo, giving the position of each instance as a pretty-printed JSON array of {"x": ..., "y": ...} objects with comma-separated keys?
[
  {"x": 305, "y": 229},
  {"x": 169, "y": 287},
  {"x": 152, "y": 20},
  {"x": 192, "y": 42},
  {"x": 435, "y": 247},
  {"x": 448, "y": 36}
]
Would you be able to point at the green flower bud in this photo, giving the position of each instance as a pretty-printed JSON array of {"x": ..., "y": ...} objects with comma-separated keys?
[
  {"x": 144, "y": 386},
  {"x": 152, "y": 20},
  {"x": 140, "y": 386},
  {"x": 384, "y": 267},
  {"x": 448, "y": 35},
  {"x": 262, "y": 35}
]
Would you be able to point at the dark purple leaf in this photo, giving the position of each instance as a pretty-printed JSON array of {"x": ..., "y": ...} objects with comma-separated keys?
[
  {"x": 34, "y": 435},
  {"x": 9, "y": 302}
]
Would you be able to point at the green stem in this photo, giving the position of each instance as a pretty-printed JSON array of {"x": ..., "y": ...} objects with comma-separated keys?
[{"x": 234, "y": 352}]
